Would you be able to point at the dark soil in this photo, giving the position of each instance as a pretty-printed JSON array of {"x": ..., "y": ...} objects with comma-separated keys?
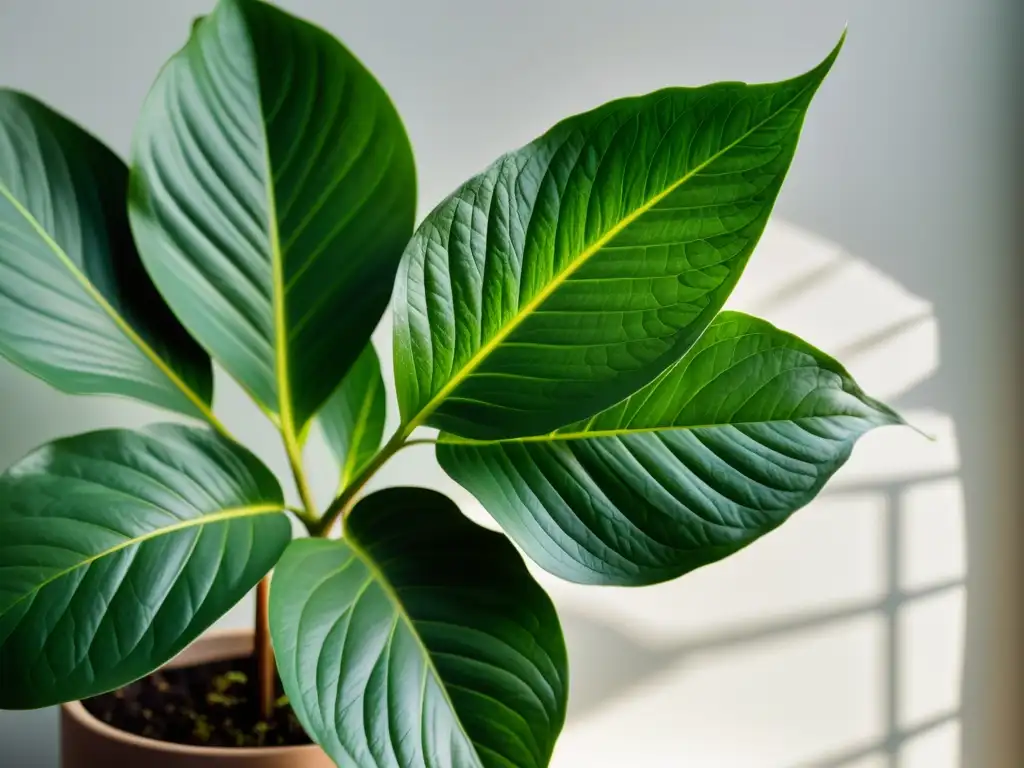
[{"x": 209, "y": 705}]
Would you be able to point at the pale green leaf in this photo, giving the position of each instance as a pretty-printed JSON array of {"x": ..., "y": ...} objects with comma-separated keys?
[
  {"x": 718, "y": 451},
  {"x": 419, "y": 641},
  {"x": 352, "y": 419},
  {"x": 76, "y": 307},
  {"x": 118, "y": 548}
]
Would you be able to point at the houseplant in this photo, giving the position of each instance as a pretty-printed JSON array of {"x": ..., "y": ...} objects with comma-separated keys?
[{"x": 557, "y": 320}]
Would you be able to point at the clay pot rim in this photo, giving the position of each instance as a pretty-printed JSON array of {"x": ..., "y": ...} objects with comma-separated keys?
[{"x": 77, "y": 711}]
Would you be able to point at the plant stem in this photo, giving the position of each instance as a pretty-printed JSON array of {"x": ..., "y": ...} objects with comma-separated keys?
[
  {"x": 266, "y": 666},
  {"x": 266, "y": 669},
  {"x": 339, "y": 507}
]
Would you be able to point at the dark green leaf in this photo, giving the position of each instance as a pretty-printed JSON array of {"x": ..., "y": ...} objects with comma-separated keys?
[
  {"x": 719, "y": 450},
  {"x": 573, "y": 271},
  {"x": 76, "y": 307},
  {"x": 118, "y": 548},
  {"x": 352, "y": 419},
  {"x": 273, "y": 190},
  {"x": 420, "y": 641}
]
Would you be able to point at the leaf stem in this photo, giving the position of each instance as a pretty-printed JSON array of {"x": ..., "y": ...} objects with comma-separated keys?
[
  {"x": 340, "y": 506},
  {"x": 308, "y": 519}
]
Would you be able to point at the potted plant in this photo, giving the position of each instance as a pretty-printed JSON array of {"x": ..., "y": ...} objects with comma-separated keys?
[{"x": 558, "y": 331}]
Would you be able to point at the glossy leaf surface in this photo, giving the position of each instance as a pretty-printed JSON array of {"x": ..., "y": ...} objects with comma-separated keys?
[
  {"x": 273, "y": 190},
  {"x": 76, "y": 307},
  {"x": 118, "y": 548},
  {"x": 718, "y": 451},
  {"x": 352, "y": 419},
  {"x": 573, "y": 271},
  {"x": 418, "y": 641}
]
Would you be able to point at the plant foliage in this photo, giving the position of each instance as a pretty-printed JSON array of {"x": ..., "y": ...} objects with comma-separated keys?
[{"x": 557, "y": 320}]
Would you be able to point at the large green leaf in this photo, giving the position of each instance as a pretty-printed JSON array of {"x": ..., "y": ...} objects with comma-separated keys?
[
  {"x": 272, "y": 192},
  {"x": 420, "y": 641},
  {"x": 76, "y": 307},
  {"x": 118, "y": 548},
  {"x": 574, "y": 270},
  {"x": 722, "y": 448},
  {"x": 352, "y": 419}
]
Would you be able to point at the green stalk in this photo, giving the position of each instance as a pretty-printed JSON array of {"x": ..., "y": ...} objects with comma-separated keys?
[{"x": 341, "y": 505}]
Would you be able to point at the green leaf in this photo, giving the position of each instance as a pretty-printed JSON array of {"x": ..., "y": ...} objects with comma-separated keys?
[
  {"x": 719, "y": 450},
  {"x": 76, "y": 307},
  {"x": 273, "y": 190},
  {"x": 118, "y": 548},
  {"x": 352, "y": 419},
  {"x": 419, "y": 641},
  {"x": 574, "y": 270}
]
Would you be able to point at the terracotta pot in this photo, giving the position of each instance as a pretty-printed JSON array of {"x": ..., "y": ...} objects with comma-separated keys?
[{"x": 90, "y": 743}]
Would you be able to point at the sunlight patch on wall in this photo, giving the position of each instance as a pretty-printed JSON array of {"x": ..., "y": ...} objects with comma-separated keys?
[
  {"x": 937, "y": 747},
  {"x": 933, "y": 534},
  {"x": 886, "y": 336},
  {"x": 929, "y": 654},
  {"x": 767, "y": 703}
]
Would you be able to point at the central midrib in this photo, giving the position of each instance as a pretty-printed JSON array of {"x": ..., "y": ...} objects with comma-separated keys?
[
  {"x": 555, "y": 437},
  {"x": 405, "y": 618},
  {"x": 526, "y": 310},
  {"x": 281, "y": 368}
]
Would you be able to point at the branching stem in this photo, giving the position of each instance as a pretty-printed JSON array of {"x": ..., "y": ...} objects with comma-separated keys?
[{"x": 341, "y": 505}]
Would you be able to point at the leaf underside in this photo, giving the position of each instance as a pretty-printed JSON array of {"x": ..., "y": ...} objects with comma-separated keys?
[
  {"x": 419, "y": 641},
  {"x": 76, "y": 307}
]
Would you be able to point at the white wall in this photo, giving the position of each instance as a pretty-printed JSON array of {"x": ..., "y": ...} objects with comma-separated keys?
[{"x": 880, "y": 627}]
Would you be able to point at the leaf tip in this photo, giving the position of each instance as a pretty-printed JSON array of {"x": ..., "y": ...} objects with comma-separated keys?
[
  {"x": 896, "y": 419},
  {"x": 926, "y": 435},
  {"x": 815, "y": 76},
  {"x": 826, "y": 65}
]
